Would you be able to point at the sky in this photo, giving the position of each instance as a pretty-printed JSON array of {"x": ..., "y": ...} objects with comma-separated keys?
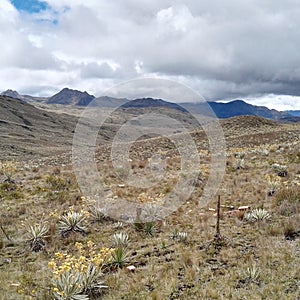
[{"x": 222, "y": 49}]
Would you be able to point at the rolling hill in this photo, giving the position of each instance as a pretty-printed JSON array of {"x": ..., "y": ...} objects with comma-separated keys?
[{"x": 27, "y": 130}]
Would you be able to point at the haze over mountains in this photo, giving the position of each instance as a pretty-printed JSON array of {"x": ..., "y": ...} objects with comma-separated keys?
[
  {"x": 222, "y": 110},
  {"x": 33, "y": 127}
]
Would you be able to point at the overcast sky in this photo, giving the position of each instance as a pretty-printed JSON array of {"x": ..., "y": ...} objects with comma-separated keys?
[{"x": 223, "y": 49}]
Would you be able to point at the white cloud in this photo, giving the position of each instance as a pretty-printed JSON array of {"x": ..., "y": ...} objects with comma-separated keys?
[
  {"x": 224, "y": 50},
  {"x": 279, "y": 102}
]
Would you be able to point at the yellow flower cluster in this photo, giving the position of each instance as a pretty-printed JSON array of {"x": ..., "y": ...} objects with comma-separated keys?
[
  {"x": 86, "y": 201},
  {"x": 8, "y": 168},
  {"x": 85, "y": 213},
  {"x": 274, "y": 182},
  {"x": 70, "y": 271},
  {"x": 86, "y": 254},
  {"x": 54, "y": 214},
  {"x": 90, "y": 252},
  {"x": 237, "y": 151},
  {"x": 204, "y": 169},
  {"x": 60, "y": 293},
  {"x": 145, "y": 198},
  {"x": 273, "y": 179}
]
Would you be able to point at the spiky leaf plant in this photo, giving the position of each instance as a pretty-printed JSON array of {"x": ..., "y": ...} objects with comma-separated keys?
[
  {"x": 79, "y": 276},
  {"x": 152, "y": 212},
  {"x": 239, "y": 164},
  {"x": 120, "y": 239},
  {"x": 98, "y": 214},
  {"x": 72, "y": 222},
  {"x": 36, "y": 236},
  {"x": 256, "y": 215},
  {"x": 149, "y": 228},
  {"x": 252, "y": 273},
  {"x": 67, "y": 287},
  {"x": 179, "y": 236},
  {"x": 119, "y": 258},
  {"x": 75, "y": 285},
  {"x": 118, "y": 225},
  {"x": 280, "y": 169},
  {"x": 91, "y": 280}
]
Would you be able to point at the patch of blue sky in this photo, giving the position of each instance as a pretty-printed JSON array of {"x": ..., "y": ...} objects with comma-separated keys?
[
  {"x": 41, "y": 10},
  {"x": 30, "y": 6}
]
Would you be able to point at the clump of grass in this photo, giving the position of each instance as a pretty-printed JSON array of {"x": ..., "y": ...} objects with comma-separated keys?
[
  {"x": 36, "y": 237},
  {"x": 257, "y": 215},
  {"x": 57, "y": 183},
  {"x": 288, "y": 200},
  {"x": 10, "y": 191},
  {"x": 291, "y": 229},
  {"x": 6, "y": 187},
  {"x": 58, "y": 188}
]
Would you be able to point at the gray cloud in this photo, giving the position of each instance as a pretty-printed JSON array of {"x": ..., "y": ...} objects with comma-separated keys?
[
  {"x": 224, "y": 50},
  {"x": 95, "y": 70}
]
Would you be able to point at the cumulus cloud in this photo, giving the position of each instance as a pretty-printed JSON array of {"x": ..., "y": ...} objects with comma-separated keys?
[{"x": 224, "y": 50}]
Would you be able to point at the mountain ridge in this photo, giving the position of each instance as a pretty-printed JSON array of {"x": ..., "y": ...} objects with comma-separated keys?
[
  {"x": 27, "y": 98},
  {"x": 70, "y": 97}
]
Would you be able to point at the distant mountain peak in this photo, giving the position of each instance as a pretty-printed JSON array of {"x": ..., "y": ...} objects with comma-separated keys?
[
  {"x": 242, "y": 108},
  {"x": 148, "y": 102},
  {"x": 26, "y": 98},
  {"x": 12, "y": 94},
  {"x": 71, "y": 97}
]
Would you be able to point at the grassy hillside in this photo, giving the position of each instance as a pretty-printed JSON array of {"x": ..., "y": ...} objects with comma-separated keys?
[{"x": 257, "y": 255}]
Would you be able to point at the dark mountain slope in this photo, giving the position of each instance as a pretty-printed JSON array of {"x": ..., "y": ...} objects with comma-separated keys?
[{"x": 71, "y": 97}]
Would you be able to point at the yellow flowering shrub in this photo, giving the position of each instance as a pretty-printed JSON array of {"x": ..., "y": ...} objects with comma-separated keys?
[
  {"x": 8, "y": 169},
  {"x": 146, "y": 198},
  {"x": 74, "y": 276},
  {"x": 274, "y": 183}
]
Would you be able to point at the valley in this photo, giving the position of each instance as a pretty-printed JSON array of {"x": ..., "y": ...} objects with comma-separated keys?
[{"x": 177, "y": 257}]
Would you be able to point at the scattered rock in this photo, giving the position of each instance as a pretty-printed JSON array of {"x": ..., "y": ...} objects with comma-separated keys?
[
  {"x": 131, "y": 269},
  {"x": 244, "y": 208}
]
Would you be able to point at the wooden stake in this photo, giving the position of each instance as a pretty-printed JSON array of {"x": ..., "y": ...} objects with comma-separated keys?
[
  {"x": 6, "y": 235},
  {"x": 218, "y": 234}
]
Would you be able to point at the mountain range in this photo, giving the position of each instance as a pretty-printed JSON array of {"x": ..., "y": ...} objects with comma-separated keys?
[
  {"x": 295, "y": 113},
  {"x": 222, "y": 110}
]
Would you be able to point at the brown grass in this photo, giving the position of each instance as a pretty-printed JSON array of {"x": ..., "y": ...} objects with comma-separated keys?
[{"x": 166, "y": 268}]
